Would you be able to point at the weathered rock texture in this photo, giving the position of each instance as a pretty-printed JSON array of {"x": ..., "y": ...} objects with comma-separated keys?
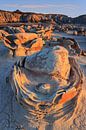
[
  {"x": 18, "y": 16},
  {"x": 46, "y": 86},
  {"x": 22, "y": 44},
  {"x": 13, "y": 116},
  {"x": 69, "y": 43}
]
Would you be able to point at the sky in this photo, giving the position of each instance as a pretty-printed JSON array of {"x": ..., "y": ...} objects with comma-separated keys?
[{"x": 72, "y": 8}]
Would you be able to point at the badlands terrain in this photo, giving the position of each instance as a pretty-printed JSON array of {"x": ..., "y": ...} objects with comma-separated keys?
[{"x": 33, "y": 45}]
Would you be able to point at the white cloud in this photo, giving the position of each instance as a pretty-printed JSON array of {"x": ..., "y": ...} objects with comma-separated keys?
[{"x": 65, "y": 6}]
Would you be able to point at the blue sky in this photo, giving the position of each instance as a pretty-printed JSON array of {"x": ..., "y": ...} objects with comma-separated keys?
[{"x": 71, "y": 8}]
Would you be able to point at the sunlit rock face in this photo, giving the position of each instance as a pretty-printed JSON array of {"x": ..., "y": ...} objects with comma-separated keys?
[
  {"x": 35, "y": 46},
  {"x": 21, "y": 38},
  {"x": 2, "y": 32},
  {"x": 23, "y": 44},
  {"x": 45, "y": 33},
  {"x": 47, "y": 84}
]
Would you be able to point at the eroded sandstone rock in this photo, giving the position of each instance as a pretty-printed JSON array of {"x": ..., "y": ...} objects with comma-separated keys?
[
  {"x": 35, "y": 46},
  {"x": 69, "y": 43},
  {"x": 23, "y": 43},
  {"x": 37, "y": 84},
  {"x": 50, "y": 61}
]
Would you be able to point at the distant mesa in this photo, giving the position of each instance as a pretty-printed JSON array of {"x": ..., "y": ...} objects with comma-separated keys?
[{"x": 19, "y": 16}]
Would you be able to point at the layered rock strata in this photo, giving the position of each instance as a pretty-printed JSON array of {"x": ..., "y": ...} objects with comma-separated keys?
[{"x": 47, "y": 84}]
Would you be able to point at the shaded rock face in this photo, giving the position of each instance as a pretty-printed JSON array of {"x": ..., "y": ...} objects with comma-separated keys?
[
  {"x": 81, "y": 19},
  {"x": 9, "y": 29},
  {"x": 81, "y": 32},
  {"x": 69, "y": 43},
  {"x": 39, "y": 85},
  {"x": 13, "y": 30}
]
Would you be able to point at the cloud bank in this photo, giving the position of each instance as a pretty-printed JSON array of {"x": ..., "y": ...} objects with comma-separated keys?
[{"x": 66, "y": 6}]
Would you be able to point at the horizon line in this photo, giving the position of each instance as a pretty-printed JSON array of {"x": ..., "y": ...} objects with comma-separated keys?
[{"x": 36, "y": 12}]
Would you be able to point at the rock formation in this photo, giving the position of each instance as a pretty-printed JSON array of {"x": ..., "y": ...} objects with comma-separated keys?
[
  {"x": 47, "y": 85},
  {"x": 22, "y": 44},
  {"x": 3, "y": 34},
  {"x": 40, "y": 79},
  {"x": 69, "y": 43},
  {"x": 18, "y": 16}
]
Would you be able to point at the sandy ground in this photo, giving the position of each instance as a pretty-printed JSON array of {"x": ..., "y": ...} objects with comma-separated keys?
[{"x": 13, "y": 116}]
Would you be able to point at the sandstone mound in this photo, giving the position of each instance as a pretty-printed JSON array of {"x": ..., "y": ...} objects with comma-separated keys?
[
  {"x": 23, "y": 43},
  {"x": 47, "y": 84},
  {"x": 50, "y": 61}
]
